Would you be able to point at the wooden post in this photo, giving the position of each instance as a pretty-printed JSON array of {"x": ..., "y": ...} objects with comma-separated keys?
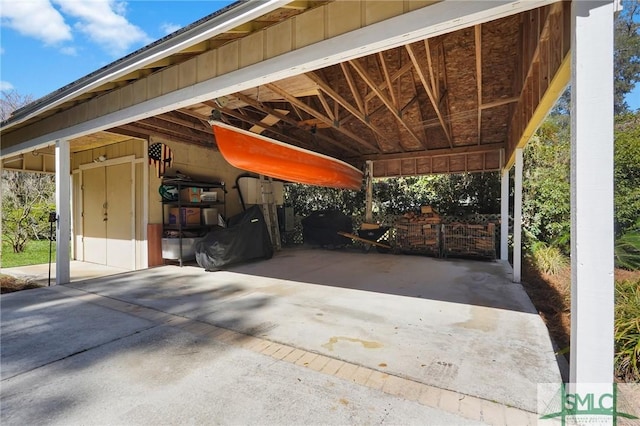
[
  {"x": 368, "y": 217},
  {"x": 63, "y": 207},
  {"x": 592, "y": 236},
  {"x": 517, "y": 220},
  {"x": 504, "y": 216}
]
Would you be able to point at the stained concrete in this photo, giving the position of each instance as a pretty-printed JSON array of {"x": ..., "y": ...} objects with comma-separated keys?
[{"x": 456, "y": 324}]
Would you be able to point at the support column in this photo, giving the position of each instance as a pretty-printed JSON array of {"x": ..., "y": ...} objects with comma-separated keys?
[
  {"x": 504, "y": 216},
  {"x": 517, "y": 219},
  {"x": 592, "y": 229},
  {"x": 368, "y": 216},
  {"x": 63, "y": 208}
]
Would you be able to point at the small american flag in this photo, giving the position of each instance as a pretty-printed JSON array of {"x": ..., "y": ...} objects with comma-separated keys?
[{"x": 161, "y": 157}]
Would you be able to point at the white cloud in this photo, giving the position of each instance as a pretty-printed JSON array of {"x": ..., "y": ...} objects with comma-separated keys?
[
  {"x": 168, "y": 28},
  {"x": 69, "y": 51},
  {"x": 5, "y": 85},
  {"x": 35, "y": 18},
  {"x": 103, "y": 21}
]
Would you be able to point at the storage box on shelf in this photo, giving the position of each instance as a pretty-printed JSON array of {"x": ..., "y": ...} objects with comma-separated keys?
[{"x": 189, "y": 216}]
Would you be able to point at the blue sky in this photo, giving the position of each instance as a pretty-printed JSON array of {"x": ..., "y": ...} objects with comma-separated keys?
[{"x": 46, "y": 44}]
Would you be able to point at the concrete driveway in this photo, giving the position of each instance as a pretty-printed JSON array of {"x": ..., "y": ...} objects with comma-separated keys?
[{"x": 310, "y": 336}]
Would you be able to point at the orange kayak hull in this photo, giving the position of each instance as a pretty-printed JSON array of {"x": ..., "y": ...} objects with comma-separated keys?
[{"x": 269, "y": 157}]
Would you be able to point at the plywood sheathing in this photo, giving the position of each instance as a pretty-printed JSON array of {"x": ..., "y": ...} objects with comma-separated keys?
[{"x": 544, "y": 43}]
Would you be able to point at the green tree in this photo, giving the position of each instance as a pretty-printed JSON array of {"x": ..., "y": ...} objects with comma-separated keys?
[
  {"x": 306, "y": 198},
  {"x": 546, "y": 204},
  {"x": 27, "y": 199},
  {"x": 627, "y": 172},
  {"x": 626, "y": 53}
]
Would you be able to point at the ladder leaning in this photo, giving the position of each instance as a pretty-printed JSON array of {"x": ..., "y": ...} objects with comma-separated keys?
[{"x": 269, "y": 210}]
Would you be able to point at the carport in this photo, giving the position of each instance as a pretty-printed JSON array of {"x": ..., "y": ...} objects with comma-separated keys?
[{"x": 414, "y": 87}]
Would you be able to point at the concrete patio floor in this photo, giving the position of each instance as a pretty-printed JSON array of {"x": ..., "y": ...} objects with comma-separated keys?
[
  {"x": 79, "y": 271},
  {"x": 310, "y": 336}
]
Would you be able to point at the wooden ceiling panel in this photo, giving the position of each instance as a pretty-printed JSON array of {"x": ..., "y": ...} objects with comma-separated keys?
[
  {"x": 499, "y": 59},
  {"x": 494, "y": 124},
  {"x": 461, "y": 87}
]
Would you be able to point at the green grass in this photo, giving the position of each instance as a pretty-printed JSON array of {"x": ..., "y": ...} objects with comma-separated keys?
[
  {"x": 37, "y": 252},
  {"x": 548, "y": 259},
  {"x": 627, "y": 330}
]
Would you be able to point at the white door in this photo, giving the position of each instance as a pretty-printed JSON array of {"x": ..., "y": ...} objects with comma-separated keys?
[{"x": 108, "y": 216}]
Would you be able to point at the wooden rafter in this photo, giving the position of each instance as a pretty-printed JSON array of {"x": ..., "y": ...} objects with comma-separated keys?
[
  {"x": 345, "y": 104},
  {"x": 478, "y": 41},
  {"x": 138, "y": 129},
  {"x": 274, "y": 130},
  {"x": 267, "y": 110},
  {"x": 430, "y": 93},
  {"x": 352, "y": 86},
  {"x": 182, "y": 122},
  {"x": 159, "y": 122},
  {"x": 434, "y": 87},
  {"x": 367, "y": 79},
  {"x": 326, "y": 106},
  {"x": 500, "y": 102},
  {"x": 413, "y": 100},
  {"x": 314, "y": 113},
  {"x": 387, "y": 79},
  {"x": 395, "y": 76}
]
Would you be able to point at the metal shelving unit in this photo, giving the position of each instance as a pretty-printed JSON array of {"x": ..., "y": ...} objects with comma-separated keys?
[{"x": 180, "y": 184}]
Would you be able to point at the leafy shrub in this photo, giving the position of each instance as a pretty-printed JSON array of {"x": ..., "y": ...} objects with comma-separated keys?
[
  {"x": 627, "y": 251},
  {"x": 627, "y": 330},
  {"x": 548, "y": 259}
]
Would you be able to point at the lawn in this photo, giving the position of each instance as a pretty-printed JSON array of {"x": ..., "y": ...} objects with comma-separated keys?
[{"x": 37, "y": 252}]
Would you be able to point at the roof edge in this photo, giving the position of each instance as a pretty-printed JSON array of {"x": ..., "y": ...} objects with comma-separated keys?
[{"x": 228, "y": 17}]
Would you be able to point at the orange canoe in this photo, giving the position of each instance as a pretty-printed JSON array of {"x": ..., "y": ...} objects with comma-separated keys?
[{"x": 259, "y": 154}]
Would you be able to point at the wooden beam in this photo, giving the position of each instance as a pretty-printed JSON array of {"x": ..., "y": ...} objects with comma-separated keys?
[
  {"x": 139, "y": 130},
  {"x": 182, "y": 122},
  {"x": 297, "y": 5},
  {"x": 325, "y": 105},
  {"x": 434, "y": 87},
  {"x": 367, "y": 79},
  {"x": 500, "y": 102},
  {"x": 352, "y": 86},
  {"x": 345, "y": 104},
  {"x": 311, "y": 111},
  {"x": 529, "y": 112},
  {"x": 443, "y": 152},
  {"x": 175, "y": 129},
  {"x": 260, "y": 123},
  {"x": 203, "y": 46},
  {"x": 478, "y": 42},
  {"x": 396, "y": 75},
  {"x": 430, "y": 94},
  {"x": 267, "y": 110},
  {"x": 387, "y": 79}
]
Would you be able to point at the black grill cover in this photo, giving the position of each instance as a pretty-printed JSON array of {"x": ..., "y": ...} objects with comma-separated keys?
[
  {"x": 245, "y": 238},
  {"x": 321, "y": 228}
]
